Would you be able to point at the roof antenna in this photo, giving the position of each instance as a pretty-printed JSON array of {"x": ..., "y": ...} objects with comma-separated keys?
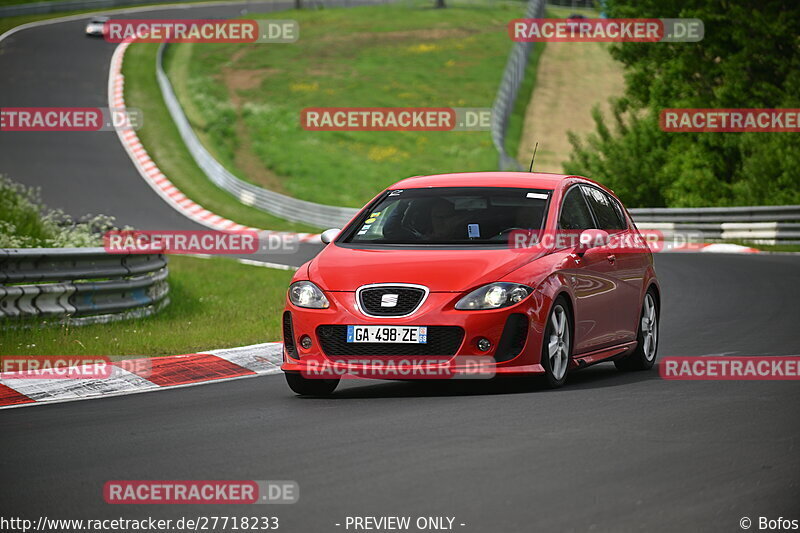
[{"x": 530, "y": 169}]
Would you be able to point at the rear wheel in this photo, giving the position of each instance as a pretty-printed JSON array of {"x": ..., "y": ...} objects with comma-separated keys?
[
  {"x": 557, "y": 345},
  {"x": 310, "y": 387},
  {"x": 644, "y": 356}
]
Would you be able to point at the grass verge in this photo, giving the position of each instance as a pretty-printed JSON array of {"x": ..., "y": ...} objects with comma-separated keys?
[
  {"x": 215, "y": 303},
  {"x": 245, "y": 100},
  {"x": 160, "y": 137}
]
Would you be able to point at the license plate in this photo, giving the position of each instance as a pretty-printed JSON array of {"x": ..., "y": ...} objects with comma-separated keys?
[{"x": 389, "y": 334}]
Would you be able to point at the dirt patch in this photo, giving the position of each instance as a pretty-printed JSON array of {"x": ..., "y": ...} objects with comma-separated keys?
[
  {"x": 236, "y": 80},
  {"x": 244, "y": 158},
  {"x": 571, "y": 79}
]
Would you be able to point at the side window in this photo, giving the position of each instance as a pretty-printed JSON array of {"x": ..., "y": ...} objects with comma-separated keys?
[
  {"x": 575, "y": 213},
  {"x": 608, "y": 215}
]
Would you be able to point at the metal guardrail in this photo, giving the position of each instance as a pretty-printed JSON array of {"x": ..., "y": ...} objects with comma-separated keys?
[
  {"x": 766, "y": 213},
  {"x": 778, "y": 224},
  {"x": 321, "y": 215},
  {"x": 80, "y": 285},
  {"x": 280, "y": 205},
  {"x": 506, "y": 97}
]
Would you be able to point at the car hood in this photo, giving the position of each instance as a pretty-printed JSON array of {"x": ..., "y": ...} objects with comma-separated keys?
[{"x": 345, "y": 269}]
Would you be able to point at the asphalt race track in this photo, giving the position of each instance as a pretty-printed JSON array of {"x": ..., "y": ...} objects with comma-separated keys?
[
  {"x": 609, "y": 452},
  {"x": 88, "y": 172}
]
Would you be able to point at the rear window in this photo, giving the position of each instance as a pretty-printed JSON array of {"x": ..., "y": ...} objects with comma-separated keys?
[{"x": 450, "y": 216}]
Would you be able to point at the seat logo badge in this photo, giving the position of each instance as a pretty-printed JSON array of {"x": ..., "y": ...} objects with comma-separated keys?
[{"x": 389, "y": 300}]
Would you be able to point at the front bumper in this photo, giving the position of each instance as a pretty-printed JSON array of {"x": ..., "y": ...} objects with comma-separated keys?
[{"x": 515, "y": 334}]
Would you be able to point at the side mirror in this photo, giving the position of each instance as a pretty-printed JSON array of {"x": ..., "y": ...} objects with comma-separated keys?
[
  {"x": 329, "y": 235},
  {"x": 591, "y": 238}
]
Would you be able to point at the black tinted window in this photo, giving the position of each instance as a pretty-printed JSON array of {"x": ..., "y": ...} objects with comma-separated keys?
[
  {"x": 605, "y": 209},
  {"x": 575, "y": 214}
]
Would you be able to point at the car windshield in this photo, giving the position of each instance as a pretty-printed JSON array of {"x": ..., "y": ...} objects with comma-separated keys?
[{"x": 449, "y": 216}]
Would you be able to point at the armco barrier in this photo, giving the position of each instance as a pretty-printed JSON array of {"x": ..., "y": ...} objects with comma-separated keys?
[
  {"x": 80, "y": 285},
  {"x": 765, "y": 213},
  {"x": 321, "y": 215},
  {"x": 506, "y": 97},
  {"x": 758, "y": 224},
  {"x": 280, "y": 205}
]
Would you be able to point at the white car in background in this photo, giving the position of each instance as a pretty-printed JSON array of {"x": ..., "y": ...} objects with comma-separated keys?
[{"x": 95, "y": 26}]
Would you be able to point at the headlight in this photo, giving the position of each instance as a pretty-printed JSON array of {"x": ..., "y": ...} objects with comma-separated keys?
[
  {"x": 306, "y": 294},
  {"x": 494, "y": 296}
]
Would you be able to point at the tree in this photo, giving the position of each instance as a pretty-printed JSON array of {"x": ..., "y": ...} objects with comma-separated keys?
[{"x": 749, "y": 58}]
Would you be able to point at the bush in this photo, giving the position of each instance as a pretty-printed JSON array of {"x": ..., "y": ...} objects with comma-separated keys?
[{"x": 25, "y": 222}]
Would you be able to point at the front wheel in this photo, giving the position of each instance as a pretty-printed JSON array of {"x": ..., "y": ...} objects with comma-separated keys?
[
  {"x": 557, "y": 346},
  {"x": 644, "y": 356},
  {"x": 310, "y": 387}
]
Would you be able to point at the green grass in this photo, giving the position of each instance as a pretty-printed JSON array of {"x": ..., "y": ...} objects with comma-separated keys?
[
  {"x": 160, "y": 137},
  {"x": 215, "y": 303},
  {"x": 245, "y": 100}
]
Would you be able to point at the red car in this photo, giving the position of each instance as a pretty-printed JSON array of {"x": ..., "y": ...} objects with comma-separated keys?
[{"x": 521, "y": 271}]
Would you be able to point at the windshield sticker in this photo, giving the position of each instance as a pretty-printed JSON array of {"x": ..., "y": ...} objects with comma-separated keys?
[
  {"x": 395, "y": 193},
  {"x": 473, "y": 230},
  {"x": 537, "y": 195},
  {"x": 372, "y": 218}
]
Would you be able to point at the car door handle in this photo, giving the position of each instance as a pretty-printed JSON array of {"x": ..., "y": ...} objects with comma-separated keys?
[{"x": 612, "y": 258}]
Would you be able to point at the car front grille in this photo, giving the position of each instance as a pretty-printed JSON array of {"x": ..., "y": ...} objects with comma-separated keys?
[
  {"x": 442, "y": 341},
  {"x": 390, "y": 300}
]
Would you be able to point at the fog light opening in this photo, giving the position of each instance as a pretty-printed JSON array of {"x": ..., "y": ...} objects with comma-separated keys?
[
  {"x": 305, "y": 342},
  {"x": 484, "y": 344}
]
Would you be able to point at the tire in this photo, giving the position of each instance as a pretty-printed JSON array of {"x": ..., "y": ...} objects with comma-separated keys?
[
  {"x": 557, "y": 345},
  {"x": 644, "y": 356},
  {"x": 310, "y": 387}
]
